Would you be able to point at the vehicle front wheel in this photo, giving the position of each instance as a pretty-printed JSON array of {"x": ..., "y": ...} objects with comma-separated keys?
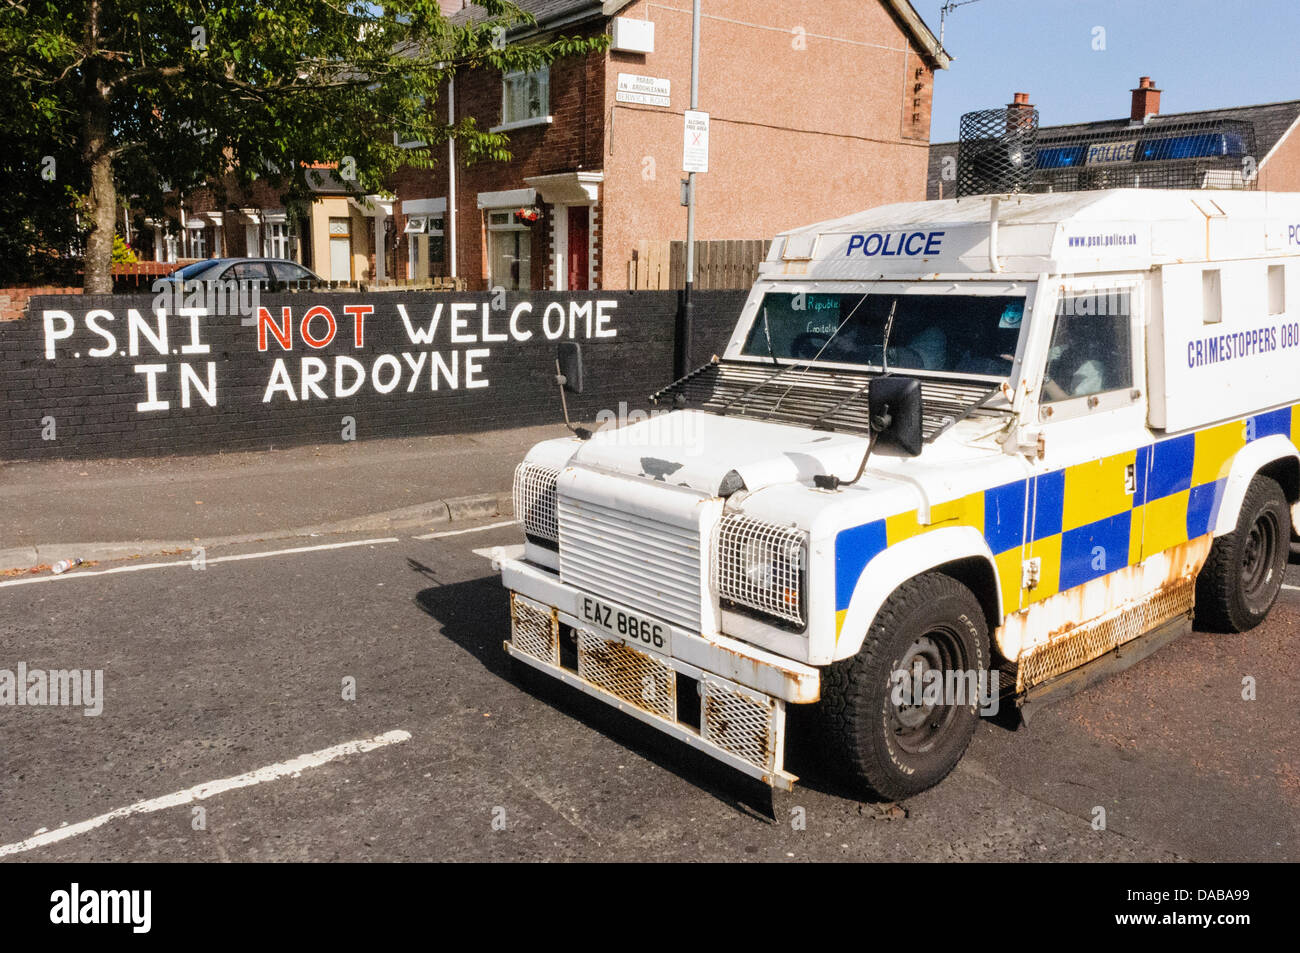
[
  {"x": 890, "y": 740},
  {"x": 1242, "y": 576}
]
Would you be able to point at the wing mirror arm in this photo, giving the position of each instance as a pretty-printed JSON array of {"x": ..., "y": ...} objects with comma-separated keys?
[
  {"x": 568, "y": 375},
  {"x": 894, "y": 410}
]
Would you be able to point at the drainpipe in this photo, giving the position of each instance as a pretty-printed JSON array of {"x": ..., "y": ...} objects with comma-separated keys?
[{"x": 451, "y": 179}]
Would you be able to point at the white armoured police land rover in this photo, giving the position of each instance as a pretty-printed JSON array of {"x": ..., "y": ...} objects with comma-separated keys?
[{"x": 1012, "y": 441}]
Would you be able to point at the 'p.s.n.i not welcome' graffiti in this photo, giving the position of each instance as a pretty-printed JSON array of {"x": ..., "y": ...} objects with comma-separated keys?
[{"x": 319, "y": 351}]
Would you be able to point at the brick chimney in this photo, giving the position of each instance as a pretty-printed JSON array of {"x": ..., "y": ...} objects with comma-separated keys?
[
  {"x": 1020, "y": 111},
  {"x": 1146, "y": 100}
]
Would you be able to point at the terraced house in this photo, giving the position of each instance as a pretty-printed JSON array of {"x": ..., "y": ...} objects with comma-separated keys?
[
  {"x": 1237, "y": 147},
  {"x": 817, "y": 109}
]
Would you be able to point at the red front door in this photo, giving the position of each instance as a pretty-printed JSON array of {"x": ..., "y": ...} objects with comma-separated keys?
[{"x": 579, "y": 226}]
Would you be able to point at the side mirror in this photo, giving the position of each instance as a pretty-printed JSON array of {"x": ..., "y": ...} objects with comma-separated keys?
[
  {"x": 894, "y": 412},
  {"x": 894, "y": 406},
  {"x": 568, "y": 365}
]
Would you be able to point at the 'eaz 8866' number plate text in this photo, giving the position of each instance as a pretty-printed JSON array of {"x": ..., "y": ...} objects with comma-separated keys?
[{"x": 647, "y": 632}]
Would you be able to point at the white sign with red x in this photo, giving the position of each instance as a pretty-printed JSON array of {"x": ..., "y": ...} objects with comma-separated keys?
[{"x": 695, "y": 147}]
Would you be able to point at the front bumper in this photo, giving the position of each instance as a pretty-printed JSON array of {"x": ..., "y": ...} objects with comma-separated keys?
[{"x": 742, "y": 690}]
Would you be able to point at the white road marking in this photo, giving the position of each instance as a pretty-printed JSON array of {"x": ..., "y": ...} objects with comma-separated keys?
[
  {"x": 137, "y": 567},
  {"x": 493, "y": 553},
  {"x": 1288, "y": 586},
  {"x": 201, "y": 792},
  {"x": 472, "y": 529}
]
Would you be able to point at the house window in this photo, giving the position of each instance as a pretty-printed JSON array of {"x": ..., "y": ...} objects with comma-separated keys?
[
  {"x": 509, "y": 253},
  {"x": 275, "y": 243},
  {"x": 437, "y": 242},
  {"x": 198, "y": 242},
  {"x": 426, "y": 245},
  {"x": 526, "y": 96}
]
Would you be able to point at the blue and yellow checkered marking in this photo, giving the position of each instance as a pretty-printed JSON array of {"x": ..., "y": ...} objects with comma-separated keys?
[{"x": 1080, "y": 521}]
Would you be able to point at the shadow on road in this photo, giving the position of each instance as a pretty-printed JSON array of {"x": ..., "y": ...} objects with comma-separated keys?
[{"x": 476, "y": 616}]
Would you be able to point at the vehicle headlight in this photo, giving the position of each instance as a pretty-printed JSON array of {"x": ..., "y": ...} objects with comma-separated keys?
[
  {"x": 761, "y": 566},
  {"x": 534, "y": 498}
]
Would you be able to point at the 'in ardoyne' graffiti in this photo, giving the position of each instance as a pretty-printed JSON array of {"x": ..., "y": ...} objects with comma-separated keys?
[{"x": 319, "y": 351}]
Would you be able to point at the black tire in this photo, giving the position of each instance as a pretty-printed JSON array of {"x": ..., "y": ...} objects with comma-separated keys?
[
  {"x": 892, "y": 751},
  {"x": 1240, "y": 580}
]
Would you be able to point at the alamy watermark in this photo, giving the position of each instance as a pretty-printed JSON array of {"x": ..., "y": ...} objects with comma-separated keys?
[
  {"x": 661, "y": 427},
  {"x": 199, "y": 297},
  {"x": 54, "y": 688},
  {"x": 78, "y": 905},
  {"x": 934, "y": 687}
]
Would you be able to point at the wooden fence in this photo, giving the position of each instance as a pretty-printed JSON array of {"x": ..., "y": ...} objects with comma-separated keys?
[
  {"x": 136, "y": 273},
  {"x": 719, "y": 265}
]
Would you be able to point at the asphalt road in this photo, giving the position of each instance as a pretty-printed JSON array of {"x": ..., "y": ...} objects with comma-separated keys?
[{"x": 241, "y": 666}]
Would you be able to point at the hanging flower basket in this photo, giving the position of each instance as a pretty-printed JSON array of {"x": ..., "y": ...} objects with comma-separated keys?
[{"x": 529, "y": 215}]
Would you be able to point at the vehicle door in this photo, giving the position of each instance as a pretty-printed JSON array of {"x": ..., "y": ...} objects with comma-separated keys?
[{"x": 1085, "y": 510}]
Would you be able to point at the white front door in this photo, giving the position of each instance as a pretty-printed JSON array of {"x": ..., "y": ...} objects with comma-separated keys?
[{"x": 340, "y": 250}]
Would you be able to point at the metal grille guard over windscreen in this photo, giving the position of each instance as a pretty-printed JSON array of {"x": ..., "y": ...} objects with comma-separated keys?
[{"x": 816, "y": 397}]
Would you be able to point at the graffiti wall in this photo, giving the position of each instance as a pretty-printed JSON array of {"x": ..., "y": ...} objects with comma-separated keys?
[{"x": 150, "y": 374}]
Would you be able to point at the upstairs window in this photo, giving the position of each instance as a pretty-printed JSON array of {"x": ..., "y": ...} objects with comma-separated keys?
[{"x": 526, "y": 97}]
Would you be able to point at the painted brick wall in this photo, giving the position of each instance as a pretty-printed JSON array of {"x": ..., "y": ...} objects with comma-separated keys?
[{"x": 92, "y": 402}]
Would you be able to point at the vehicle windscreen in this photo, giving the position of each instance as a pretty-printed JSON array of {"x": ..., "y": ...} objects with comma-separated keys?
[{"x": 964, "y": 334}]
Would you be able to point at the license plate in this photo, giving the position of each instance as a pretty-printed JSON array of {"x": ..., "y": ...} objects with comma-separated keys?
[{"x": 636, "y": 629}]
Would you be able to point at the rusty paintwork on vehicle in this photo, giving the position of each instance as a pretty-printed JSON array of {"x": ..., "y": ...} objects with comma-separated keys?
[
  {"x": 802, "y": 687},
  {"x": 633, "y": 676},
  {"x": 1058, "y": 616},
  {"x": 1090, "y": 641},
  {"x": 748, "y": 737}
]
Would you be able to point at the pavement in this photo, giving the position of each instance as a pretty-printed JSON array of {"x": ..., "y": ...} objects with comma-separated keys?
[{"x": 110, "y": 508}]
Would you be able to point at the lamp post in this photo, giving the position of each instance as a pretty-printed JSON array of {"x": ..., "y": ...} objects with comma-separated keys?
[{"x": 686, "y": 313}]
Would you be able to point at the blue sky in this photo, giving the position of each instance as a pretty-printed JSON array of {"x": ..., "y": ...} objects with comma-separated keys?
[{"x": 1201, "y": 53}]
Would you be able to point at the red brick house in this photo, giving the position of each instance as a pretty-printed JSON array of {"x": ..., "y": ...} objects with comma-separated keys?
[{"x": 818, "y": 108}]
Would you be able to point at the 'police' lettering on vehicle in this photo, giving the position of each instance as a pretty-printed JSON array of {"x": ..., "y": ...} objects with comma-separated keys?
[{"x": 909, "y": 244}]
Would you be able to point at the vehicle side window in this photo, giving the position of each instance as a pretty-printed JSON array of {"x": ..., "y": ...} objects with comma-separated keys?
[
  {"x": 288, "y": 271},
  {"x": 1091, "y": 350},
  {"x": 247, "y": 271}
]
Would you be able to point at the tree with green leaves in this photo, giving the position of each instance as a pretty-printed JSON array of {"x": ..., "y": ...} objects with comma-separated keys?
[{"x": 112, "y": 98}]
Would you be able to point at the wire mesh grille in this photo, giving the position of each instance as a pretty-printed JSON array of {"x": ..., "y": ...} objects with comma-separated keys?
[
  {"x": 638, "y": 678},
  {"x": 998, "y": 150},
  {"x": 760, "y": 565},
  {"x": 825, "y": 398},
  {"x": 1092, "y": 641},
  {"x": 535, "y": 630},
  {"x": 739, "y": 723},
  {"x": 534, "y": 499},
  {"x": 1161, "y": 154}
]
